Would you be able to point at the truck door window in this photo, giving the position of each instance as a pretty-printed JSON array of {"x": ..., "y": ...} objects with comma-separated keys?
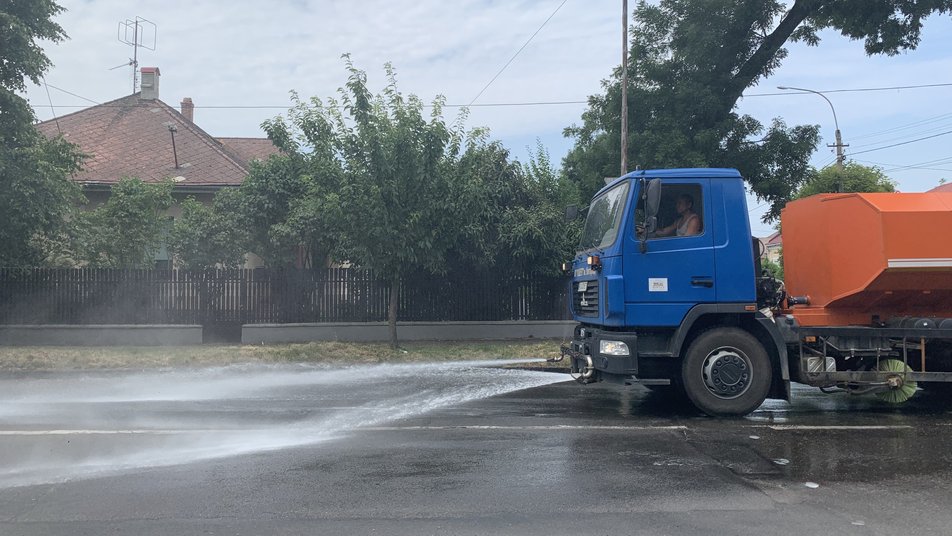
[{"x": 681, "y": 212}]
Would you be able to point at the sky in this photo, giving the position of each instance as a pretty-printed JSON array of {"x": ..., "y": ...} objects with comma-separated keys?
[{"x": 239, "y": 60}]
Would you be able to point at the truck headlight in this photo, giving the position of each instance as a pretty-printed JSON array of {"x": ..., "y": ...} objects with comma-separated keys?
[{"x": 613, "y": 348}]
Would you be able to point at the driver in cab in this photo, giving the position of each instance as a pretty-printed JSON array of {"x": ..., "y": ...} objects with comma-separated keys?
[{"x": 688, "y": 222}]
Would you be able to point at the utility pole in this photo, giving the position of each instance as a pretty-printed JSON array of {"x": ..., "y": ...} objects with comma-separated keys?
[
  {"x": 624, "y": 87},
  {"x": 839, "y": 150}
]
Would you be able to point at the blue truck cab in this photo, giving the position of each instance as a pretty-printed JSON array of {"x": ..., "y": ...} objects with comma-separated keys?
[{"x": 664, "y": 290}]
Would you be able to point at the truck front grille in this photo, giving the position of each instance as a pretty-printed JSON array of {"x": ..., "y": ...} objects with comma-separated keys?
[{"x": 585, "y": 302}]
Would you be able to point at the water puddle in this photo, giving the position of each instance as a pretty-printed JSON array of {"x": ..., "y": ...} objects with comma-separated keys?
[{"x": 60, "y": 428}]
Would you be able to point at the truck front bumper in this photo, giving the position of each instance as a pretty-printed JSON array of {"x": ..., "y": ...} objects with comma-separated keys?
[{"x": 601, "y": 352}]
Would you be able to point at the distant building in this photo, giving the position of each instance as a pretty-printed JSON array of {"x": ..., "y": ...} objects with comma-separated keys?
[
  {"x": 140, "y": 136},
  {"x": 772, "y": 246}
]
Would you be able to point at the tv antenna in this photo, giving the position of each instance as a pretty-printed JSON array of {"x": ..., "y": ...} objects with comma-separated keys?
[{"x": 137, "y": 33}]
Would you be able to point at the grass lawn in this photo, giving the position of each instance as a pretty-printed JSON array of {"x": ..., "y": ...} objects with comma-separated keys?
[{"x": 26, "y": 358}]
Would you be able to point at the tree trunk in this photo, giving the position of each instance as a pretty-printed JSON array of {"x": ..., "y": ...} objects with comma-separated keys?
[
  {"x": 756, "y": 64},
  {"x": 392, "y": 311}
]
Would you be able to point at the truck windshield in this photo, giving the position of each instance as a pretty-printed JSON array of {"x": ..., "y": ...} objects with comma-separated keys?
[{"x": 604, "y": 218}]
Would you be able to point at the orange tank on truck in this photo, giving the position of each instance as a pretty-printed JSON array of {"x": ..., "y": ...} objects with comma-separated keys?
[{"x": 863, "y": 255}]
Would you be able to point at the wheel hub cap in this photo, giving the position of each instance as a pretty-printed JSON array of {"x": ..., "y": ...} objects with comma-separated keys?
[{"x": 727, "y": 372}]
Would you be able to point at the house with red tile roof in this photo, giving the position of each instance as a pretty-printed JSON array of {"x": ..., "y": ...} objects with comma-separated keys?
[{"x": 143, "y": 137}]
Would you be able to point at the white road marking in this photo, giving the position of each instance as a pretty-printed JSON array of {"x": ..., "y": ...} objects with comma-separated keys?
[
  {"x": 104, "y": 432},
  {"x": 520, "y": 428},
  {"x": 782, "y": 427},
  {"x": 543, "y": 428},
  {"x": 369, "y": 428}
]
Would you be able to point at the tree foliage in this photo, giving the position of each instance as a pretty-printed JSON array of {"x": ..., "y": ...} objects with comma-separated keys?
[
  {"x": 535, "y": 234},
  {"x": 36, "y": 194},
  {"x": 382, "y": 166},
  {"x": 36, "y": 197},
  {"x": 210, "y": 236},
  {"x": 511, "y": 219},
  {"x": 773, "y": 269},
  {"x": 379, "y": 182},
  {"x": 691, "y": 60},
  {"x": 128, "y": 229},
  {"x": 852, "y": 178},
  {"x": 269, "y": 205},
  {"x": 23, "y": 24}
]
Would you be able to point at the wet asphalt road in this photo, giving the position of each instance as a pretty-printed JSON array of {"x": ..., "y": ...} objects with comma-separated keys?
[{"x": 454, "y": 449}]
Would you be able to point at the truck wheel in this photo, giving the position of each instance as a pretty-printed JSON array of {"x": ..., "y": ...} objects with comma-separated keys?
[{"x": 726, "y": 372}]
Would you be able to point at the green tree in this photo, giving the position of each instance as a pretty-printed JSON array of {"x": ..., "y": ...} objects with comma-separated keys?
[
  {"x": 773, "y": 269},
  {"x": 511, "y": 217},
  {"x": 488, "y": 185},
  {"x": 292, "y": 202},
  {"x": 210, "y": 236},
  {"x": 36, "y": 194},
  {"x": 692, "y": 61},
  {"x": 264, "y": 204},
  {"x": 852, "y": 178},
  {"x": 535, "y": 234},
  {"x": 128, "y": 229},
  {"x": 391, "y": 162}
]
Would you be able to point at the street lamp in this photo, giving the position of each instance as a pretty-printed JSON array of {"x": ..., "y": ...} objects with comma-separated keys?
[{"x": 839, "y": 141}]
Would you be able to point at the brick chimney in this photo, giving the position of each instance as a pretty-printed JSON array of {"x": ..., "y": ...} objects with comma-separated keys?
[
  {"x": 188, "y": 109},
  {"x": 150, "y": 83}
]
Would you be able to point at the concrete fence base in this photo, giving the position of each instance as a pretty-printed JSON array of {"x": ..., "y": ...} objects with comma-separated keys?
[
  {"x": 181, "y": 335},
  {"x": 100, "y": 335},
  {"x": 406, "y": 331}
]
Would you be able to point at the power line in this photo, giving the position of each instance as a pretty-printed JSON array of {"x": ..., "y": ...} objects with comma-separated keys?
[
  {"x": 517, "y": 52},
  {"x": 573, "y": 102},
  {"x": 853, "y": 90},
  {"x": 887, "y": 168},
  {"x": 943, "y": 160},
  {"x": 764, "y": 204},
  {"x": 903, "y": 127},
  {"x": 516, "y": 104},
  {"x": 907, "y": 168},
  {"x": 53, "y": 110},
  {"x": 288, "y": 106},
  {"x": 902, "y": 143},
  {"x": 828, "y": 163},
  {"x": 71, "y": 93},
  {"x": 922, "y": 132}
]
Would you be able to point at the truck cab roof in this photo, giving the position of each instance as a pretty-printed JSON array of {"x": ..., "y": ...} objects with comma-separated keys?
[{"x": 681, "y": 173}]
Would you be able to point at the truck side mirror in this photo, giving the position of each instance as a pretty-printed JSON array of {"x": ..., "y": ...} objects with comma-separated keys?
[
  {"x": 571, "y": 212},
  {"x": 652, "y": 196}
]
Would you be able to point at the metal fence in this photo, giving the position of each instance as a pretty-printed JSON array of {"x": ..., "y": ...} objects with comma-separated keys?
[{"x": 263, "y": 296}]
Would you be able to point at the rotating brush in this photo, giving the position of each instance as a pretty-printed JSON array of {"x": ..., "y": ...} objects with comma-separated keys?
[{"x": 900, "y": 394}]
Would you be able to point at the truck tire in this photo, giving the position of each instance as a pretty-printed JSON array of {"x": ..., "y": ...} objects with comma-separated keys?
[{"x": 726, "y": 372}]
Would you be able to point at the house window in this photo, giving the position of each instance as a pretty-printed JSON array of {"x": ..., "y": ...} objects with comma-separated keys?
[{"x": 163, "y": 260}]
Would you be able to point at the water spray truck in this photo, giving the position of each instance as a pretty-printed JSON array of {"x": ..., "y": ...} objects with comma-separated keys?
[{"x": 865, "y": 306}]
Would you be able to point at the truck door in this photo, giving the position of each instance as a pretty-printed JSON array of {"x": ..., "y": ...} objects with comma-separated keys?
[{"x": 677, "y": 270}]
